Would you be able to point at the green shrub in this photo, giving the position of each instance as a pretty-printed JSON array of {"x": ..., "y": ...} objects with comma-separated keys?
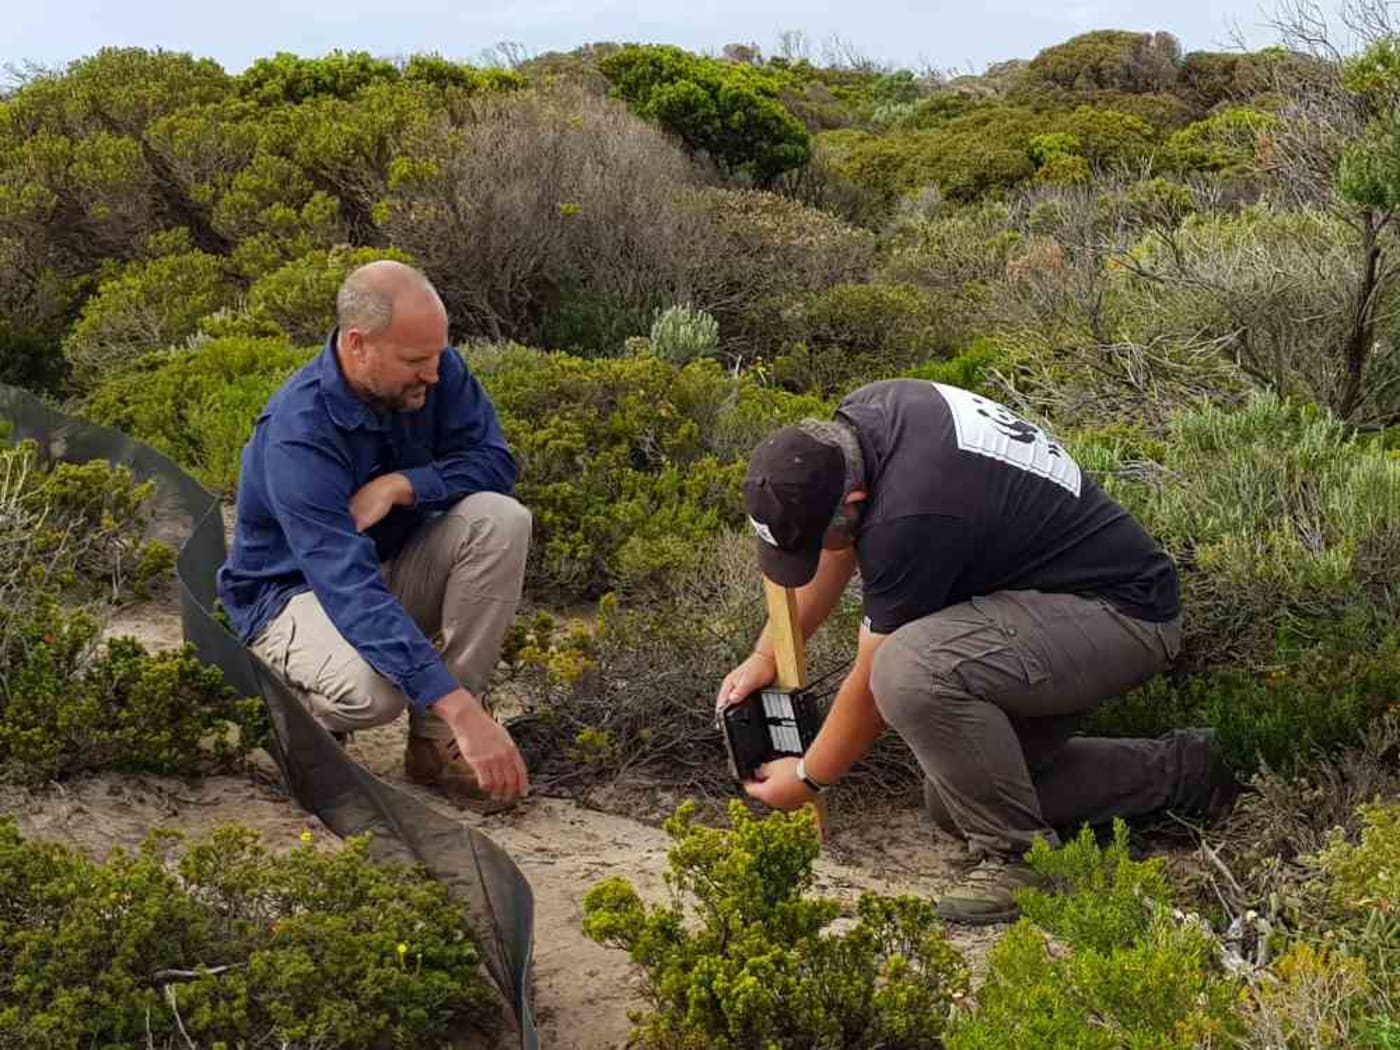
[
  {"x": 981, "y": 153},
  {"x": 1229, "y": 141},
  {"x": 1319, "y": 691},
  {"x": 628, "y": 464},
  {"x": 30, "y": 358},
  {"x": 1109, "y": 58},
  {"x": 728, "y": 111},
  {"x": 853, "y": 333},
  {"x": 761, "y": 250},
  {"x": 148, "y": 306},
  {"x": 1124, "y": 972},
  {"x": 290, "y": 78},
  {"x": 1283, "y": 524},
  {"x": 757, "y": 966},
  {"x": 1108, "y": 138},
  {"x": 198, "y": 406},
  {"x": 1096, "y": 897},
  {"x": 1279, "y": 516},
  {"x": 972, "y": 369},
  {"x": 75, "y": 528},
  {"x": 1158, "y": 992},
  {"x": 70, "y": 702},
  {"x": 1364, "y": 874},
  {"x": 300, "y": 296},
  {"x": 234, "y": 946},
  {"x": 680, "y": 334}
]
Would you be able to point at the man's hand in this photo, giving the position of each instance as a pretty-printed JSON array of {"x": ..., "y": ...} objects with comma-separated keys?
[
  {"x": 754, "y": 673},
  {"x": 371, "y": 503},
  {"x": 485, "y": 744},
  {"x": 775, "y": 784}
]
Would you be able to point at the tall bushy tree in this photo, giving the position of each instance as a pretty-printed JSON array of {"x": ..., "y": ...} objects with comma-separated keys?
[
  {"x": 1110, "y": 59},
  {"x": 732, "y": 112}
]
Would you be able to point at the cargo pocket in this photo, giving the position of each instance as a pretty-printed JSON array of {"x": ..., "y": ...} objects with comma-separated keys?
[{"x": 1007, "y": 618}]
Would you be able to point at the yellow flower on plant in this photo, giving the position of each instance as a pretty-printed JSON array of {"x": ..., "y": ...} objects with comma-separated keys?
[{"x": 306, "y": 837}]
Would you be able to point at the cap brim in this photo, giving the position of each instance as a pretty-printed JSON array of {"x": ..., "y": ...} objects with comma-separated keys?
[{"x": 788, "y": 568}]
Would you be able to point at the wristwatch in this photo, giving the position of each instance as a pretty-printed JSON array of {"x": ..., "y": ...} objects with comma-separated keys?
[{"x": 816, "y": 786}]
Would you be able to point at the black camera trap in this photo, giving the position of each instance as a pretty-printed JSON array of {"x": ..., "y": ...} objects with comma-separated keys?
[{"x": 768, "y": 724}]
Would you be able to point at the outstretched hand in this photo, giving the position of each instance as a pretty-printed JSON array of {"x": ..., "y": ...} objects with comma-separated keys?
[
  {"x": 488, "y": 748},
  {"x": 485, "y": 744}
]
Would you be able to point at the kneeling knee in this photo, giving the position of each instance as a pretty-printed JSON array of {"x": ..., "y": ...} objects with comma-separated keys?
[
  {"x": 504, "y": 514},
  {"x": 369, "y": 698},
  {"x": 898, "y": 682}
]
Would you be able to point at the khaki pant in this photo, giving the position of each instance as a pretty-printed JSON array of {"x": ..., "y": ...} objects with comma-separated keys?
[
  {"x": 459, "y": 576},
  {"x": 988, "y": 695}
]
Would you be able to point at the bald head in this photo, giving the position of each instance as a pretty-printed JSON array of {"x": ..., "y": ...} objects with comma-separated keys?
[
  {"x": 367, "y": 297},
  {"x": 392, "y": 330}
]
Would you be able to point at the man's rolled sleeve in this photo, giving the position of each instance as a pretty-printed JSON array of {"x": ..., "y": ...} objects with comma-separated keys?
[
  {"x": 428, "y": 486},
  {"x": 309, "y": 490},
  {"x": 469, "y": 449}
]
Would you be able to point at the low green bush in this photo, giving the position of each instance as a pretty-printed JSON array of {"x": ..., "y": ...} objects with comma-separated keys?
[
  {"x": 231, "y": 946},
  {"x": 744, "y": 958},
  {"x": 147, "y": 306},
  {"x": 1122, "y": 971},
  {"x": 628, "y": 464},
  {"x": 975, "y": 368},
  {"x": 1281, "y": 518},
  {"x": 300, "y": 296},
  {"x": 71, "y": 702},
  {"x": 853, "y": 333},
  {"x": 680, "y": 334},
  {"x": 74, "y": 528},
  {"x": 1323, "y": 685},
  {"x": 198, "y": 406},
  {"x": 68, "y": 700}
]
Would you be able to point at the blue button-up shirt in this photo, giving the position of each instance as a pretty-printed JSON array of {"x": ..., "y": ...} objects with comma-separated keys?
[{"x": 316, "y": 444}]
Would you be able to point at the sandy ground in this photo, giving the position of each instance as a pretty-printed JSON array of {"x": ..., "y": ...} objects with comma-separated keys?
[{"x": 582, "y": 990}]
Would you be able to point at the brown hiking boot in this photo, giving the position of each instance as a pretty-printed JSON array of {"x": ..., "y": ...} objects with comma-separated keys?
[
  {"x": 985, "y": 896},
  {"x": 439, "y": 764}
]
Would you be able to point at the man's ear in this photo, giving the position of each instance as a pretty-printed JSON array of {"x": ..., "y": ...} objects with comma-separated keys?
[
  {"x": 352, "y": 340},
  {"x": 854, "y": 497}
]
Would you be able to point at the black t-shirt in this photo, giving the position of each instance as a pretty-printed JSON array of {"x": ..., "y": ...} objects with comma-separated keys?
[{"x": 966, "y": 498}]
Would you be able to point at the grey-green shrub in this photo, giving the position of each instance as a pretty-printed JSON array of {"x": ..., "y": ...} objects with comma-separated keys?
[{"x": 680, "y": 334}]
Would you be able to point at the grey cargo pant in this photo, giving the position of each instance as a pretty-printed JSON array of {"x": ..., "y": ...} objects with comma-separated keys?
[
  {"x": 459, "y": 576},
  {"x": 988, "y": 695}
]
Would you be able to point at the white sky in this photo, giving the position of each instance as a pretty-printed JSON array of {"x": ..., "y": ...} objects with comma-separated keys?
[{"x": 941, "y": 34}]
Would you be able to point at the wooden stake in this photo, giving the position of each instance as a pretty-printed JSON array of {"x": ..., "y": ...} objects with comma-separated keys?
[{"x": 790, "y": 650}]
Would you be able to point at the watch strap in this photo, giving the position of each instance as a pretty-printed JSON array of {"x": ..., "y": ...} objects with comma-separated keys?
[{"x": 802, "y": 775}]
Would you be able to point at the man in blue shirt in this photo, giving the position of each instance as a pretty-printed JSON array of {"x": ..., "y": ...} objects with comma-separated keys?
[{"x": 378, "y": 555}]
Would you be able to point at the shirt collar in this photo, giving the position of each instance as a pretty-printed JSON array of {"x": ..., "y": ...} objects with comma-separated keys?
[{"x": 347, "y": 409}]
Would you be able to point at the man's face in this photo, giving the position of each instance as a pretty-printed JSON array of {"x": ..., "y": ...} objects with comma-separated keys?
[{"x": 399, "y": 364}]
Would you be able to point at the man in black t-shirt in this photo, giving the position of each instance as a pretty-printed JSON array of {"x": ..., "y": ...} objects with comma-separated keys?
[{"x": 1005, "y": 597}]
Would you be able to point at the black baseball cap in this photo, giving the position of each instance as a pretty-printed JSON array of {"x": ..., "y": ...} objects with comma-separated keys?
[{"x": 793, "y": 487}]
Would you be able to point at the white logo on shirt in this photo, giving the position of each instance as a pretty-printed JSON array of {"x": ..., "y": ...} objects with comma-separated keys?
[
  {"x": 764, "y": 532},
  {"x": 986, "y": 428}
]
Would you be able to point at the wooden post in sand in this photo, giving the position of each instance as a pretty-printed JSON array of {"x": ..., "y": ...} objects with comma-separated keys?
[{"x": 790, "y": 651}]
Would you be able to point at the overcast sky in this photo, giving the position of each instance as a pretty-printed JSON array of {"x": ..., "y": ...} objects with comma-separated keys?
[{"x": 942, "y": 34}]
